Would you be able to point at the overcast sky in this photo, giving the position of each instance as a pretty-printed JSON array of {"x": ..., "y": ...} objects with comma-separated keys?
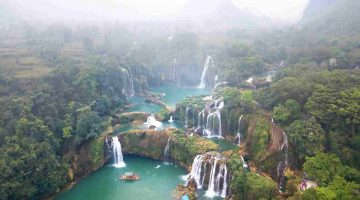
[{"x": 280, "y": 9}]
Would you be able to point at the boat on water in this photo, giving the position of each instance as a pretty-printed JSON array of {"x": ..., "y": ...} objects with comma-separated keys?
[{"x": 130, "y": 176}]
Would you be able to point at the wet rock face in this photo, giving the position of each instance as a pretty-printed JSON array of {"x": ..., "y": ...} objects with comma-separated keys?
[
  {"x": 89, "y": 157},
  {"x": 129, "y": 117},
  {"x": 266, "y": 145},
  {"x": 193, "y": 112},
  {"x": 152, "y": 143}
]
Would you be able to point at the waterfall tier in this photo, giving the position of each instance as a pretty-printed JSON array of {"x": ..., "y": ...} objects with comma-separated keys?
[
  {"x": 118, "y": 156},
  {"x": 152, "y": 122},
  {"x": 207, "y": 63},
  {"x": 215, "y": 177},
  {"x": 167, "y": 151}
]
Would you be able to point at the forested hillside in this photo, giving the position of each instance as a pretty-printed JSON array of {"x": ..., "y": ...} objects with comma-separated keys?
[{"x": 64, "y": 86}]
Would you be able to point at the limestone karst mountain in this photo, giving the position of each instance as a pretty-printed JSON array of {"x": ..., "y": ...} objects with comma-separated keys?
[{"x": 222, "y": 14}]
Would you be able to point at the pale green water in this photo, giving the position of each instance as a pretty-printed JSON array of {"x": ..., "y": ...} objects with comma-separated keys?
[
  {"x": 174, "y": 94},
  {"x": 157, "y": 182},
  {"x": 139, "y": 105},
  {"x": 224, "y": 145}
]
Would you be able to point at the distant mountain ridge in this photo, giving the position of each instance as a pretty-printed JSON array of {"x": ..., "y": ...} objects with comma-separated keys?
[
  {"x": 332, "y": 16},
  {"x": 316, "y": 8},
  {"x": 222, "y": 14}
]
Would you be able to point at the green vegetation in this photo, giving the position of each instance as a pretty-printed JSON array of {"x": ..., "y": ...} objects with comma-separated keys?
[
  {"x": 336, "y": 181},
  {"x": 249, "y": 185},
  {"x": 260, "y": 138},
  {"x": 60, "y": 86}
]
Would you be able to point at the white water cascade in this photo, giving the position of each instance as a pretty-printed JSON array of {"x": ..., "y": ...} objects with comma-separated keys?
[
  {"x": 196, "y": 171},
  {"x": 171, "y": 119},
  {"x": 207, "y": 63},
  {"x": 151, "y": 121},
  {"x": 187, "y": 117},
  {"x": 167, "y": 151},
  {"x": 239, "y": 130},
  {"x": 250, "y": 80},
  {"x": 128, "y": 90},
  {"x": 118, "y": 157},
  {"x": 283, "y": 164},
  {"x": 218, "y": 85},
  {"x": 211, "y": 188},
  {"x": 211, "y": 121},
  {"x": 224, "y": 189},
  {"x": 244, "y": 163},
  {"x": 213, "y": 126},
  {"x": 216, "y": 178}
]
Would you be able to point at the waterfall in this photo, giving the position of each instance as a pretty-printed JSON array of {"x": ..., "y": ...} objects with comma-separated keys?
[
  {"x": 167, "y": 151},
  {"x": 239, "y": 130},
  {"x": 128, "y": 89},
  {"x": 283, "y": 164},
  {"x": 118, "y": 157},
  {"x": 217, "y": 85},
  {"x": 216, "y": 178},
  {"x": 171, "y": 119},
  {"x": 250, "y": 80},
  {"x": 208, "y": 61},
  {"x": 211, "y": 188},
  {"x": 268, "y": 78},
  {"x": 186, "y": 117},
  {"x": 224, "y": 189},
  {"x": 201, "y": 118},
  {"x": 151, "y": 121},
  {"x": 210, "y": 130},
  {"x": 132, "y": 93},
  {"x": 244, "y": 163},
  {"x": 196, "y": 170}
]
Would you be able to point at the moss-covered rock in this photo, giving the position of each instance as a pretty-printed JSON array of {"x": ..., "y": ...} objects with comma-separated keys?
[
  {"x": 152, "y": 143},
  {"x": 88, "y": 157},
  {"x": 129, "y": 117},
  {"x": 163, "y": 115}
]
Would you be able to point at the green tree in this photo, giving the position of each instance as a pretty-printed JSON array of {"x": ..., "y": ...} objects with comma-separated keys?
[
  {"x": 88, "y": 126},
  {"x": 307, "y": 137},
  {"x": 318, "y": 194},
  {"x": 323, "y": 168}
]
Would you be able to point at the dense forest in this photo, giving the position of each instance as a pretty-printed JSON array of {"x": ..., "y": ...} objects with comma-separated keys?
[{"x": 62, "y": 85}]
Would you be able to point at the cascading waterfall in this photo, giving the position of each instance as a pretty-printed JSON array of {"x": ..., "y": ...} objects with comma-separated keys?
[
  {"x": 167, "y": 151},
  {"x": 132, "y": 93},
  {"x": 151, "y": 121},
  {"x": 211, "y": 130},
  {"x": 128, "y": 90},
  {"x": 250, "y": 80},
  {"x": 211, "y": 188},
  {"x": 244, "y": 163},
  {"x": 219, "y": 175},
  {"x": 239, "y": 130},
  {"x": 218, "y": 85},
  {"x": 282, "y": 165},
  {"x": 218, "y": 179},
  {"x": 118, "y": 157},
  {"x": 187, "y": 117},
  {"x": 196, "y": 170},
  {"x": 171, "y": 119},
  {"x": 208, "y": 61}
]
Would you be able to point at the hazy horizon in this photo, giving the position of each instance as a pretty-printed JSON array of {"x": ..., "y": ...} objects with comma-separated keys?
[{"x": 283, "y": 10}]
